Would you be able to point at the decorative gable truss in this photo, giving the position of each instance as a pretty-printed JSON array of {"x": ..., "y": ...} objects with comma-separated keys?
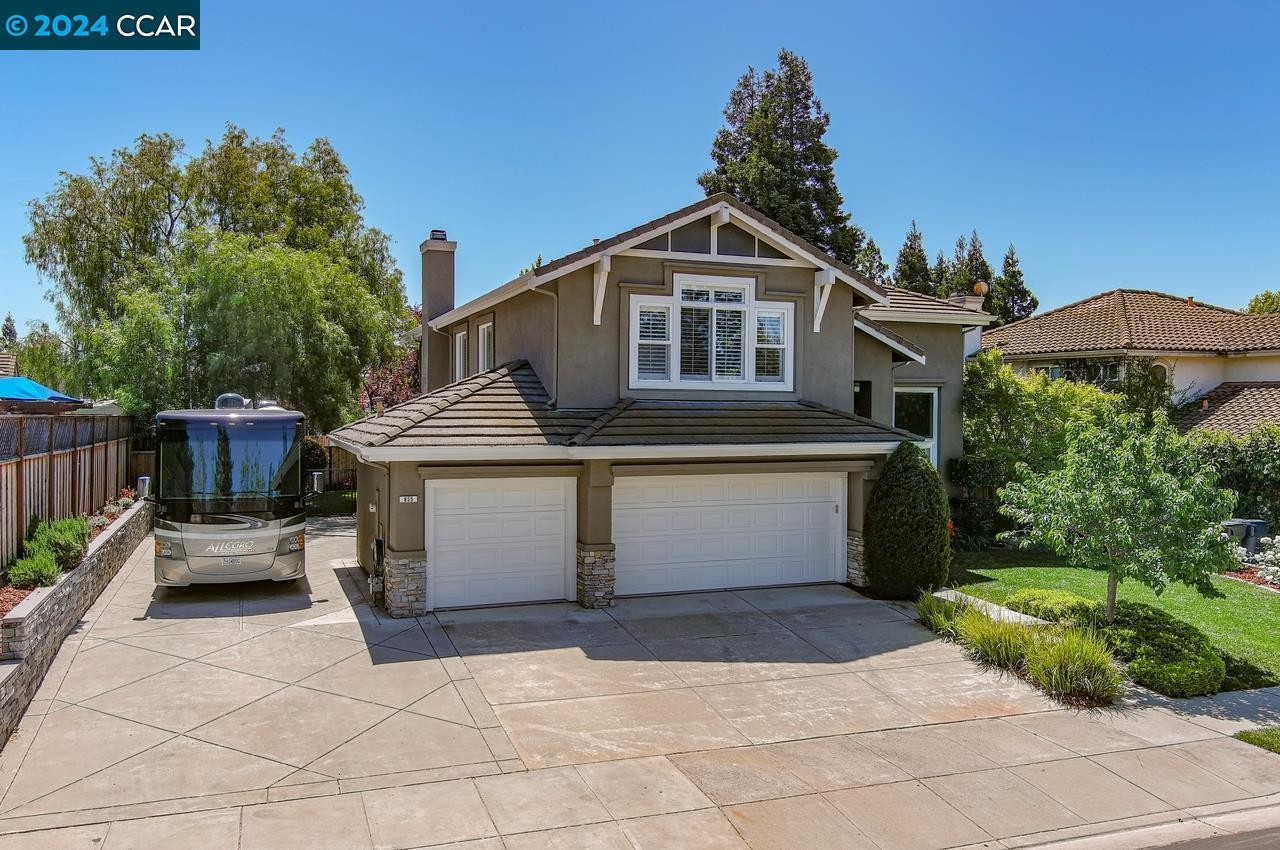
[{"x": 718, "y": 228}]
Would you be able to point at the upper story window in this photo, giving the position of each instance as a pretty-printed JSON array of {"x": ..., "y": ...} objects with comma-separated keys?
[
  {"x": 711, "y": 333},
  {"x": 485, "y": 351},
  {"x": 460, "y": 355}
]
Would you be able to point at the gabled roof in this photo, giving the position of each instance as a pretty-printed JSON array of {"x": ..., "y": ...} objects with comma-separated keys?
[
  {"x": 1136, "y": 320},
  {"x": 505, "y": 413},
  {"x": 1233, "y": 407},
  {"x": 549, "y": 271}
]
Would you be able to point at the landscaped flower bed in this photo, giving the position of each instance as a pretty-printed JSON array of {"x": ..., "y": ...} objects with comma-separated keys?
[
  {"x": 1262, "y": 567},
  {"x": 1068, "y": 663},
  {"x": 54, "y": 547}
]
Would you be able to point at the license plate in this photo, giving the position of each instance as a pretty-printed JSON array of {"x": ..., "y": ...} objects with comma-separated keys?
[{"x": 230, "y": 562}]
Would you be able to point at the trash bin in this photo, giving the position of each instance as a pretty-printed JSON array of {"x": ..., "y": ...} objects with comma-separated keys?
[{"x": 1247, "y": 532}]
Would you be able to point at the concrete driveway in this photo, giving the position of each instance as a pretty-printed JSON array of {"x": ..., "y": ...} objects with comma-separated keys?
[{"x": 280, "y": 716}]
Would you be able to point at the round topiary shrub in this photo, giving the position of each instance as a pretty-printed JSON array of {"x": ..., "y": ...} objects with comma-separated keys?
[{"x": 908, "y": 546}]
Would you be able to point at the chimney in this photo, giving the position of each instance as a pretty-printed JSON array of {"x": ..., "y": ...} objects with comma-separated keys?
[
  {"x": 379, "y": 407},
  {"x": 1204, "y": 404},
  {"x": 967, "y": 302},
  {"x": 437, "y": 299},
  {"x": 1191, "y": 301}
]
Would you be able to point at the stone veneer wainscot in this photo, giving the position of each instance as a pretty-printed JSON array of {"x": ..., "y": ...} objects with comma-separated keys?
[{"x": 32, "y": 633}]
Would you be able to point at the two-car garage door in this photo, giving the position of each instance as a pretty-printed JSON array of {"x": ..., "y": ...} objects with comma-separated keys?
[
  {"x": 504, "y": 540},
  {"x": 702, "y": 532}
]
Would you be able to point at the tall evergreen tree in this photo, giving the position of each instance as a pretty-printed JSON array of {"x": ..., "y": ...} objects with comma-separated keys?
[
  {"x": 8, "y": 332},
  {"x": 771, "y": 154},
  {"x": 938, "y": 275},
  {"x": 1010, "y": 298},
  {"x": 959, "y": 276},
  {"x": 979, "y": 268},
  {"x": 871, "y": 263},
  {"x": 912, "y": 269}
]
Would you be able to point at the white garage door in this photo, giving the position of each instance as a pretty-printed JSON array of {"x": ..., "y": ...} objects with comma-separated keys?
[
  {"x": 500, "y": 540},
  {"x": 701, "y": 532}
]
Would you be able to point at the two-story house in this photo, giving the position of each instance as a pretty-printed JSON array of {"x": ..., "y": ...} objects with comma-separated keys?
[{"x": 697, "y": 403}]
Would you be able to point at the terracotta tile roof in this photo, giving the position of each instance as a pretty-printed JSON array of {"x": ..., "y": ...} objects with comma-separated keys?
[
  {"x": 1136, "y": 320},
  {"x": 509, "y": 407},
  {"x": 1233, "y": 407},
  {"x": 504, "y": 407}
]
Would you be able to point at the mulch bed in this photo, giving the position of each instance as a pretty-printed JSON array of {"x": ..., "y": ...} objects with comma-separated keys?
[
  {"x": 1253, "y": 577},
  {"x": 10, "y": 597}
]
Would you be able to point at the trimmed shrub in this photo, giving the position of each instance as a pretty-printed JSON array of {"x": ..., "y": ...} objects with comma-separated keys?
[
  {"x": 1076, "y": 665},
  {"x": 38, "y": 568},
  {"x": 1053, "y": 605},
  {"x": 1164, "y": 654},
  {"x": 998, "y": 642},
  {"x": 67, "y": 539},
  {"x": 939, "y": 615},
  {"x": 908, "y": 547},
  {"x": 1188, "y": 672}
]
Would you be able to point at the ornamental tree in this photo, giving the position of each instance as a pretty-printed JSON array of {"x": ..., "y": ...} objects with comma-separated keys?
[{"x": 1136, "y": 501}]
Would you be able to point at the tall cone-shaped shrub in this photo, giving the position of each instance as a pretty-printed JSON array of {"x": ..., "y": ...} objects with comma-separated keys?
[{"x": 908, "y": 543}]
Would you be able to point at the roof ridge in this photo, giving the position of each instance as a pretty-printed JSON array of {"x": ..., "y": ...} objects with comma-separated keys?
[
  {"x": 467, "y": 387},
  {"x": 944, "y": 301},
  {"x": 1124, "y": 314},
  {"x": 599, "y": 422},
  {"x": 1037, "y": 316}
]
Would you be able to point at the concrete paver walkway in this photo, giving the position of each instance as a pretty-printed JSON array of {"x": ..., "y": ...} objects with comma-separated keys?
[{"x": 280, "y": 716}]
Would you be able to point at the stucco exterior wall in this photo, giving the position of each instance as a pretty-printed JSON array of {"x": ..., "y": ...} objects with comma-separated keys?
[
  {"x": 943, "y": 346},
  {"x": 1255, "y": 368}
]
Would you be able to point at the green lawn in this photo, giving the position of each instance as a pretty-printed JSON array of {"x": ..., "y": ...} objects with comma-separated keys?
[
  {"x": 1268, "y": 739},
  {"x": 1244, "y": 623},
  {"x": 332, "y": 503}
]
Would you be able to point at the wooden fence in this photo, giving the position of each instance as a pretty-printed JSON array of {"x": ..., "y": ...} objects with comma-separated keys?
[{"x": 57, "y": 466}]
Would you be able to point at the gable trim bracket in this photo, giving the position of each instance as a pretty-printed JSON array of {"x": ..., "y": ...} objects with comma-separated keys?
[
  {"x": 823, "y": 280},
  {"x": 603, "y": 266}
]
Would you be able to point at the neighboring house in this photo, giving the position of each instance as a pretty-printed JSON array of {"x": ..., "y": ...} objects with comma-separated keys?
[
  {"x": 696, "y": 403},
  {"x": 1212, "y": 356}
]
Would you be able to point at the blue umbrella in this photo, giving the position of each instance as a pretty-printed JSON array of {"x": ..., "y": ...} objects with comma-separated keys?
[{"x": 25, "y": 389}]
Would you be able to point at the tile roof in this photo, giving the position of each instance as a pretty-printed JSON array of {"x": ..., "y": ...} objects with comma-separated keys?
[
  {"x": 1235, "y": 407},
  {"x": 1136, "y": 320},
  {"x": 674, "y": 423},
  {"x": 505, "y": 407},
  {"x": 509, "y": 407},
  {"x": 907, "y": 299}
]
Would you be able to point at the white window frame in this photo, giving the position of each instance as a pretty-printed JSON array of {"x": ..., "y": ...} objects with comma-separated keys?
[
  {"x": 750, "y": 307},
  {"x": 460, "y": 355},
  {"x": 484, "y": 346},
  {"x": 931, "y": 445}
]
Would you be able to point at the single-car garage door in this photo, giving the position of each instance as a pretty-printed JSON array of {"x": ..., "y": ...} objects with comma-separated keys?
[
  {"x": 500, "y": 540},
  {"x": 702, "y": 532}
]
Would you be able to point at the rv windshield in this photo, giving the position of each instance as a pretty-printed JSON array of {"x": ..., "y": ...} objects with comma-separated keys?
[{"x": 229, "y": 460}]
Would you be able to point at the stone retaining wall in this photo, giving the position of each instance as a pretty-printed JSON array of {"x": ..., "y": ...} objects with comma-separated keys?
[{"x": 31, "y": 633}]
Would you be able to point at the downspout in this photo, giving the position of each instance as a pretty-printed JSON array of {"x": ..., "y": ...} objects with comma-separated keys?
[{"x": 555, "y": 342}]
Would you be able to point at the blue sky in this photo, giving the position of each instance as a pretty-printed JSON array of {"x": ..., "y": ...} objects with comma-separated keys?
[{"x": 1115, "y": 144}]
